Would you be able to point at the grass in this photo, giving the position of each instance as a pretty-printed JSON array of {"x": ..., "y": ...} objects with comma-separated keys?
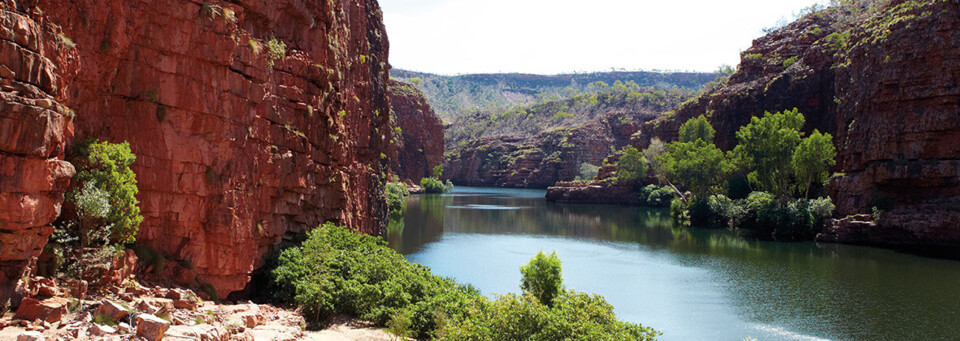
[{"x": 105, "y": 320}]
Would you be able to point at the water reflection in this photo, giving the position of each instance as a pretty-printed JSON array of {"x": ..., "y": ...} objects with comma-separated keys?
[{"x": 690, "y": 283}]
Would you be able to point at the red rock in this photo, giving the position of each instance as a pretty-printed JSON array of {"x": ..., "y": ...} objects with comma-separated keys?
[
  {"x": 151, "y": 327},
  {"x": 101, "y": 330},
  {"x": 185, "y": 304},
  {"x": 30, "y": 336},
  {"x": 50, "y": 310},
  {"x": 235, "y": 151},
  {"x": 419, "y": 145},
  {"x": 34, "y": 126},
  {"x": 112, "y": 310}
]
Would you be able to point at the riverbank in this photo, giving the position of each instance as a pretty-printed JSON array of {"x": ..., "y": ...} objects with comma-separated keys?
[{"x": 131, "y": 311}]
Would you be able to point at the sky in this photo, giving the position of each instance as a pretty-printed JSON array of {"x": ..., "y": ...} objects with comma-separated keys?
[{"x": 561, "y": 36}]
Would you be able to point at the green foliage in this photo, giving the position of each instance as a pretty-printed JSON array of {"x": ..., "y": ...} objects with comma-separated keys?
[
  {"x": 104, "y": 320},
  {"x": 753, "y": 56},
  {"x": 437, "y": 171},
  {"x": 766, "y": 147},
  {"x": 762, "y": 212},
  {"x": 104, "y": 167},
  {"x": 542, "y": 278},
  {"x": 574, "y": 316},
  {"x": 448, "y": 186},
  {"x": 789, "y": 62},
  {"x": 699, "y": 166},
  {"x": 588, "y": 172},
  {"x": 838, "y": 41},
  {"x": 632, "y": 166},
  {"x": 656, "y": 196},
  {"x": 336, "y": 272},
  {"x": 696, "y": 129},
  {"x": 812, "y": 160},
  {"x": 432, "y": 185},
  {"x": 276, "y": 50},
  {"x": 396, "y": 198}
]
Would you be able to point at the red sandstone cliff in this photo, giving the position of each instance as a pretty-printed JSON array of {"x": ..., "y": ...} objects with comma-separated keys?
[
  {"x": 899, "y": 119},
  {"x": 417, "y": 144},
  {"x": 238, "y": 145},
  {"x": 890, "y": 97},
  {"x": 34, "y": 126}
]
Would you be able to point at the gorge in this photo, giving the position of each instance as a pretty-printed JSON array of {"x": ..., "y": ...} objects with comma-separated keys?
[{"x": 254, "y": 122}]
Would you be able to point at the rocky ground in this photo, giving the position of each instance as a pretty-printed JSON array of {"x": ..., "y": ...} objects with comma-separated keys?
[{"x": 135, "y": 312}]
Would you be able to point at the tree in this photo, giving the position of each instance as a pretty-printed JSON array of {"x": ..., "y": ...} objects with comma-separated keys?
[
  {"x": 697, "y": 128},
  {"x": 107, "y": 167},
  {"x": 543, "y": 278},
  {"x": 812, "y": 160},
  {"x": 766, "y": 147},
  {"x": 632, "y": 166},
  {"x": 699, "y": 166},
  {"x": 655, "y": 148}
]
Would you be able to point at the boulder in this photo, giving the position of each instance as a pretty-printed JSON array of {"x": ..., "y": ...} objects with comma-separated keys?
[
  {"x": 30, "y": 336},
  {"x": 112, "y": 310},
  {"x": 50, "y": 310},
  {"x": 151, "y": 327}
]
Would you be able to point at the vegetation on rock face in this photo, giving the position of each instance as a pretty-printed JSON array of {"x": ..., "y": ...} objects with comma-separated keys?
[
  {"x": 336, "y": 271},
  {"x": 101, "y": 210},
  {"x": 396, "y": 201},
  {"x": 574, "y": 108}
]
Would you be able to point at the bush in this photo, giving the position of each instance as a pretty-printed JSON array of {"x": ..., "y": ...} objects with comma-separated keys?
[
  {"x": 106, "y": 197},
  {"x": 632, "y": 166},
  {"x": 432, "y": 185},
  {"x": 336, "y": 272},
  {"x": 396, "y": 200},
  {"x": 588, "y": 172},
  {"x": 762, "y": 212},
  {"x": 448, "y": 186},
  {"x": 656, "y": 196},
  {"x": 542, "y": 277}
]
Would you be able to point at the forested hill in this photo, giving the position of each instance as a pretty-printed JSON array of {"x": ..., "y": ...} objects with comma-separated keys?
[{"x": 455, "y": 96}]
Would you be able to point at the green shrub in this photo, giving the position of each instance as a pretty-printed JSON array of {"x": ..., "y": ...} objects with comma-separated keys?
[
  {"x": 335, "y": 271},
  {"x": 448, "y": 186},
  {"x": 432, "y": 185},
  {"x": 763, "y": 213},
  {"x": 632, "y": 166},
  {"x": 542, "y": 277},
  {"x": 588, "y": 172},
  {"x": 107, "y": 197},
  {"x": 396, "y": 200},
  {"x": 656, "y": 196}
]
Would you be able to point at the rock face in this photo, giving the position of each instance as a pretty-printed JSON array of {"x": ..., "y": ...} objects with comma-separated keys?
[
  {"x": 789, "y": 68},
  {"x": 251, "y": 120},
  {"x": 886, "y": 87},
  {"x": 539, "y": 162},
  {"x": 899, "y": 119},
  {"x": 418, "y": 133},
  {"x": 34, "y": 126}
]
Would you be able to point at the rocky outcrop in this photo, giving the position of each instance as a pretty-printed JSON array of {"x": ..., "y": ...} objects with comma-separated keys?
[
  {"x": 547, "y": 158},
  {"x": 602, "y": 190},
  {"x": 251, "y": 121},
  {"x": 417, "y": 144},
  {"x": 34, "y": 126},
  {"x": 788, "y": 68},
  {"x": 899, "y": 119}
]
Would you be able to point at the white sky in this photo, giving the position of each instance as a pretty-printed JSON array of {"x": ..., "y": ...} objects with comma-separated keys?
[{"x": 559, "y": 36}]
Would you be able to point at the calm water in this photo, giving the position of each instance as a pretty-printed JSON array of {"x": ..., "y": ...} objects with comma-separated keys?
[{"x": 689, "y": 283}]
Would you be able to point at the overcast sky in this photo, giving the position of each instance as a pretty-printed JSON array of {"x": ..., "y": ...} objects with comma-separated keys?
[{"x": 560, "y": 36}]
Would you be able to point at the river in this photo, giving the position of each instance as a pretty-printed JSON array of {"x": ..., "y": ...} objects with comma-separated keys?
[{"x": 689, "y": 283}]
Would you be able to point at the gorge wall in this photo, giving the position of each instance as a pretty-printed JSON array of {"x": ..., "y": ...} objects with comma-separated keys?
[
  {"x": 251, "y": 120},
  {"x": 34, "y": 126},
  {"x": 417, "y": 144},
  {"x": 885, "y": 85},
  {"x": 899, "y": 120},
  {"x": 540, "y": 161}
]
